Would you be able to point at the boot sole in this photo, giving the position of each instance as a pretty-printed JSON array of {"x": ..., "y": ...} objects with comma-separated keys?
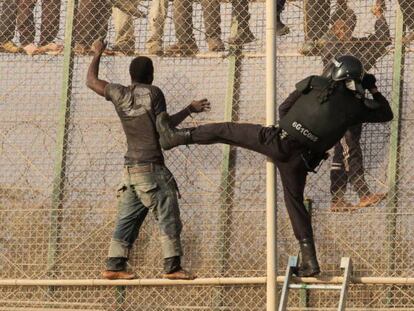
[{"x": 309, "y": 275}]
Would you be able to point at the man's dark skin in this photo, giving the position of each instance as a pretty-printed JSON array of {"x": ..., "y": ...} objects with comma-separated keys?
[
  {"x": 144, "y": 165},
  {"x": 98, "y": 85}
]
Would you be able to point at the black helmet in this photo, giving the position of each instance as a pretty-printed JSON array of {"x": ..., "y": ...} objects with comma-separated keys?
[{"x": 346, "y": 67}]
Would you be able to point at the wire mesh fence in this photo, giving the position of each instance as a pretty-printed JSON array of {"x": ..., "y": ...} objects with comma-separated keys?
[{"x": 62, "y": 150}]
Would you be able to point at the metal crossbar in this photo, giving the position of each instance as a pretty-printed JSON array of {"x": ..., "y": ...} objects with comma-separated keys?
[{"x": 346, "y": 266}]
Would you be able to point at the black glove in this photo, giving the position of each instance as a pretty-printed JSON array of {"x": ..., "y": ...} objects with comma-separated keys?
[
  {"x": 368, "y": 81},
  {"x": 313, "y": 160}
]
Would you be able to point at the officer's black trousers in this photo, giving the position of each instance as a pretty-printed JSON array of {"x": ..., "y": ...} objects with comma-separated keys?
[{"x": 285, "y": 153}]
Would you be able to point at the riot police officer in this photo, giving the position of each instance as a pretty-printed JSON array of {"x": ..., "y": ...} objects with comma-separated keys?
[{"x": 313, "y": 119}]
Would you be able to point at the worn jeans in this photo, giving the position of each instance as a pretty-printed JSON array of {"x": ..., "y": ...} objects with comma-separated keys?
[{"x": 139, "y": 193}]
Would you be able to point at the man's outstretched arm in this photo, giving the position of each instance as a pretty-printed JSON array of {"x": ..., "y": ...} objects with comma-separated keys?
[
  {"x": 196, "y": 106},
  {"x": 92, "y": 80}
]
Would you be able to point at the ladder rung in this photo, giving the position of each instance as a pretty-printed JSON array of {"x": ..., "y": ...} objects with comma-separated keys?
[
  {"x": 346, "y": 266},
  {"x": 315, "y": 286}
]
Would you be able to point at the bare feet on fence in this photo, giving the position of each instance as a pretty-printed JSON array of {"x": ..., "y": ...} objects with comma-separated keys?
[
  {"x": 341, "y": 205},
  {"x": 372, "y": 199},
  {"x": 50, "y": 48}
]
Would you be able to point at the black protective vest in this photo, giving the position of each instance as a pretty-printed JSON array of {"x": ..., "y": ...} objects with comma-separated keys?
[{"x": 318, "y": 119}]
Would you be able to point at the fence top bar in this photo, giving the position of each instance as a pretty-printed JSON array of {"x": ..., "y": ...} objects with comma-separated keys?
[
  {"x": 136, "y": 282},
  {"x": 204, "y": 281}
]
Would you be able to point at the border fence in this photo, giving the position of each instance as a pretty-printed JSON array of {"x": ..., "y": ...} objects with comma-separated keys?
[{"x": 61, "y": 153}]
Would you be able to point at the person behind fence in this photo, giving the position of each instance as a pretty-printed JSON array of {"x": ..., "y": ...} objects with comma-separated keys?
[
  {"x": 92, "y": 21},
  {"x": 123, "y": 17},
  {"x": 347, "y": 163},
  {"x": 148, "y": 184},
  {"x": 8, "y": 27},
  {"x": 407, "y": 8},
  {"x": 316, "y": 22},
  {"x": 312, "y": 120},
  {"x": 281, "y": 28},
  {"x": 240, "y": 13},
  {"x": 20, "y": 14},
  {"x": 156, "y": 20},
  {"x": 183, "y": 23}
]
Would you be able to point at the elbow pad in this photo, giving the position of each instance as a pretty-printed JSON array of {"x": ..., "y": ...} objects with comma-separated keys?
[{"x": 371, "y": 104}]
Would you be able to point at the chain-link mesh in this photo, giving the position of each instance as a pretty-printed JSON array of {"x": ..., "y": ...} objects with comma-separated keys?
[{"x": 62, "y": 150}]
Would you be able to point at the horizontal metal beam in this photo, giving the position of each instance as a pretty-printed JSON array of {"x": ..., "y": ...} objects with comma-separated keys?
[
  {"x": 136, "y": 282},
  {"x": 205, "y": 281},
  {"x": 315, "y": 286}
]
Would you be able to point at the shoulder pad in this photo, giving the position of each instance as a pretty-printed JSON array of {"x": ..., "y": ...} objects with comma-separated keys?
[
  {"x": 304, "y": 85},
  {"x": 317, "y": 82},
  {"x": 320, "y": 82}
]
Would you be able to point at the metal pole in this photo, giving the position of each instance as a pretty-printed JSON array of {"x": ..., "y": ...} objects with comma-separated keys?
[
  {"x": 61, "y": 142},
  {"x": 394, "y": 157},
  {"x": 271, "y": 214},
  {"x": 304, "y": 293},
  {"x": 206, "y": 281},
  {"x": 228, "y": 163}
]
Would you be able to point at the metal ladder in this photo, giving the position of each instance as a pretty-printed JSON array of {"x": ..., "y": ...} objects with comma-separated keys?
[{"x": 346, "y": 265}]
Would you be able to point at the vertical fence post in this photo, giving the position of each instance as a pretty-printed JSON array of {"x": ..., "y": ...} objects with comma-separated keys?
[
  {"x": 228, "y": 169},
  {"x": 394, "y": 156},
  {"x": 61, "y": 142},
  {"x": 303, "y": 292},
  {"x": 271, "y": 213}
]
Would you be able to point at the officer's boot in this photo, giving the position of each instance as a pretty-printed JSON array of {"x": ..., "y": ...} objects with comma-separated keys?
[
  {"x": 171, "y": 137},
  {"x": 308, "y": 265}
]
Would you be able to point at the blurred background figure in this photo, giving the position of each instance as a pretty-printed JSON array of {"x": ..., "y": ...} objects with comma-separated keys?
[
  {"x": 347, "y": 163},
  {"x": 183, "y": 23},
  {"x": 20, "y": 14},
  {"x": 316, "y": 23},
  {"x": 123, "y": 16},
  {"x": 8, "y": 26},
  {"x": 92, "y": 21},
  {"x": 407, "y": 8},
  {"x": 339, "y": 40},
  {"x": 281, "y": 28},
  {"x": 156, "y": 20},
  {"x": 240, "y": 14}
]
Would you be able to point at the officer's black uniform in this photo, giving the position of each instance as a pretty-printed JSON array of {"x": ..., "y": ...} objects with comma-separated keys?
[
  {"x": 290, "y": 143},
  {"x": 313, "y": 118}
]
